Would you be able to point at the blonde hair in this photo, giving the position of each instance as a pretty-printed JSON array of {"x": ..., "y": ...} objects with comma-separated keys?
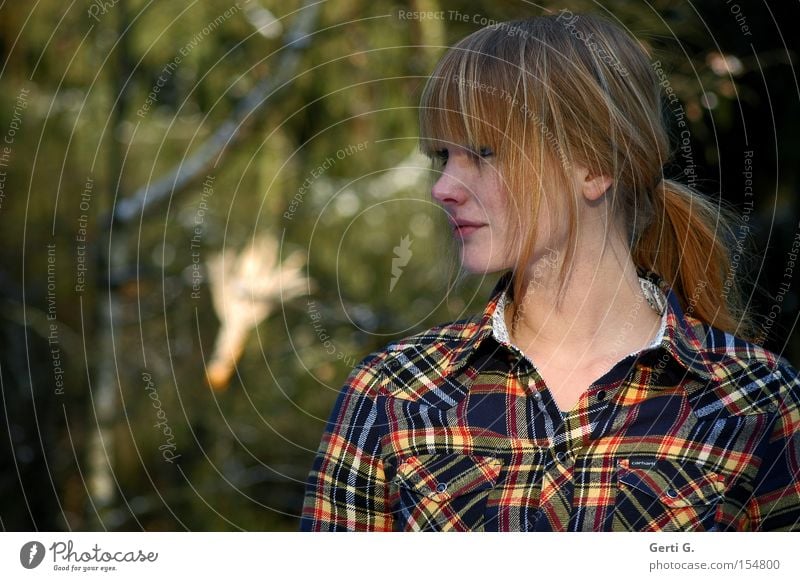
[{"x": 545, "y": 91}]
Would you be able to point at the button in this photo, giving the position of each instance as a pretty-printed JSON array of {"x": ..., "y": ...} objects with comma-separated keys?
[
  {"x": 394, "y": 364},
  {"x": 672, "y": 493},
  {"x": 601, "y": 395},
  {"x": 713, "y": 529},
  {"x": 537, "y": 396},
  {"x": 441, "y": 487},
  {"x": 560, "y": 456}
]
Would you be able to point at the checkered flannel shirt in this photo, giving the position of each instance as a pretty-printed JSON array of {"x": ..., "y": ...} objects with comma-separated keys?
[{"x": 454, "y": 429}]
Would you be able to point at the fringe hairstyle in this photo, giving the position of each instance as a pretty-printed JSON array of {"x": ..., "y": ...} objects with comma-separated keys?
[{"x": 545, "y": 91}]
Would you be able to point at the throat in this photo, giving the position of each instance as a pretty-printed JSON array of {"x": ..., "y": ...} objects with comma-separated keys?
[{"x": 570, "y": 368}]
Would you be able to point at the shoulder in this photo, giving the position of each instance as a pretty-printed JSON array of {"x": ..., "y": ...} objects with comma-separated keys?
[
  {"x": 415, "y": 361},
  {"x": 450, "y": 332},
  {"x": 729, "y": 352},
  {"x": 748, "y": 374}
]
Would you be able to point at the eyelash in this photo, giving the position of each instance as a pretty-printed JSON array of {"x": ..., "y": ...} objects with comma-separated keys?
[{"x": 442, "y": 154}]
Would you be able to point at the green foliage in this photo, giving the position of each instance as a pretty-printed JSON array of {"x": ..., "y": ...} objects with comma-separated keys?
[{"x": 93, "y": 115}]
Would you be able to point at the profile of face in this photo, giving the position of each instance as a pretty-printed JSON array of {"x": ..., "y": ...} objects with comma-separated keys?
[
  {"x": 474, "y": 197},
  {"x": 480, "y": 211}
]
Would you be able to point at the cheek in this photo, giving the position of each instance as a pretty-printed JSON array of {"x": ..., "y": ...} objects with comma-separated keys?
[{"x": 500, "y": 203}]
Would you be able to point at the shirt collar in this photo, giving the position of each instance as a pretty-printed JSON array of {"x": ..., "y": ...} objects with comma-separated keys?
[{"x": 679, "y": 339}]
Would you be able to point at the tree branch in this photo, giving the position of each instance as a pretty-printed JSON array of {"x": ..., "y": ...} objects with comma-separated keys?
[{"x": 148, "y": 197}]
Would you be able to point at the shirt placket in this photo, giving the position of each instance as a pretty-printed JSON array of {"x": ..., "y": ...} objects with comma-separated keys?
[
  {"x": 569, "y": 437},
  {"x": 556, "y": 483}
]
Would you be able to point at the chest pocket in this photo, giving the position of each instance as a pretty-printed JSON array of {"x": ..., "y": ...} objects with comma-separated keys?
[
  {"x": 666, "y": 495},
  {"x": 443, "y": 492}
]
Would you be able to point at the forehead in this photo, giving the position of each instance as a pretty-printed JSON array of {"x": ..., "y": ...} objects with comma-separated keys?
[{"x": 466, "y": 102}]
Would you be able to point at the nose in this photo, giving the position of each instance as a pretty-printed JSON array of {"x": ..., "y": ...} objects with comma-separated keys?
[{"x": 451, "y": 186}]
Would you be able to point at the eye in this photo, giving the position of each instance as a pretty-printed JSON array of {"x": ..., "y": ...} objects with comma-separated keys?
[
  {"x": 478, "y": 154},
  {"x": 441, "y": 155}
]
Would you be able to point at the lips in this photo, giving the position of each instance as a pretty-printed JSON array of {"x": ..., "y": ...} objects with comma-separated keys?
[{"x": 464, "y": 228}]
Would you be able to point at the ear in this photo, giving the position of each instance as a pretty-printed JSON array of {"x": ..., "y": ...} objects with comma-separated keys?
[{"x": 595, "y": 185}]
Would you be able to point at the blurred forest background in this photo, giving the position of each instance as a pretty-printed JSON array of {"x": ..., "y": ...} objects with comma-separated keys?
[{"x": 187, "y": 183}]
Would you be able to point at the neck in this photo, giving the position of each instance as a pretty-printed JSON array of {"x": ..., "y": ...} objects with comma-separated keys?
[{"x": 603, "y": 311}]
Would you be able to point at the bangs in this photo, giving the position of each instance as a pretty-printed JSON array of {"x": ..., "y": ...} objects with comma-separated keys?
[{"x": 465, "y": 101}]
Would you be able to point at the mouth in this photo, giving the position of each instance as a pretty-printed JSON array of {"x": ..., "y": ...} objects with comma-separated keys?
[{"x": 464, "y": 229}]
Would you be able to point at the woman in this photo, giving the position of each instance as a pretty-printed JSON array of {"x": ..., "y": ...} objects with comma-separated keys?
[{"x": 608, "y": 384}]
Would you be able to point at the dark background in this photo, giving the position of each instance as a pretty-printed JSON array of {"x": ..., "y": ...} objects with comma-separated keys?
[{"x": 85, "y": 372}]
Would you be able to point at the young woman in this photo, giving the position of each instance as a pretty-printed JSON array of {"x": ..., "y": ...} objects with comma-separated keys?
[{"x": 609, "y": 384}]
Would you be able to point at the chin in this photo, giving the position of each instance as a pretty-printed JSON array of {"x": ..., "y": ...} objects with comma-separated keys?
[{"x": 482, "y": 265}]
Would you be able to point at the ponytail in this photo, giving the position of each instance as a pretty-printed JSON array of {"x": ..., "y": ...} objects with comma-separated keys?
[{"x": 697, "y": 248}]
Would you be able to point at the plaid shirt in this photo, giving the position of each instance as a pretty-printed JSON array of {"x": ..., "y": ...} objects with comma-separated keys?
[{"x": 454, "y": 429}]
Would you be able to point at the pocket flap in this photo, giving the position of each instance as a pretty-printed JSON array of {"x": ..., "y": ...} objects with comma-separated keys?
[
  {"x": 441, "y": 477},
  {"x": 673, "y": 483}
]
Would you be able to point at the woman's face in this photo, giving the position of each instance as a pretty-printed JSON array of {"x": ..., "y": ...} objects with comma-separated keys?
[{"x": 475, "y": 197}]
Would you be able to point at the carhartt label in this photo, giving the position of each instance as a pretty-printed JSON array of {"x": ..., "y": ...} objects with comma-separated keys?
[{"x": 642, "y": 463}]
